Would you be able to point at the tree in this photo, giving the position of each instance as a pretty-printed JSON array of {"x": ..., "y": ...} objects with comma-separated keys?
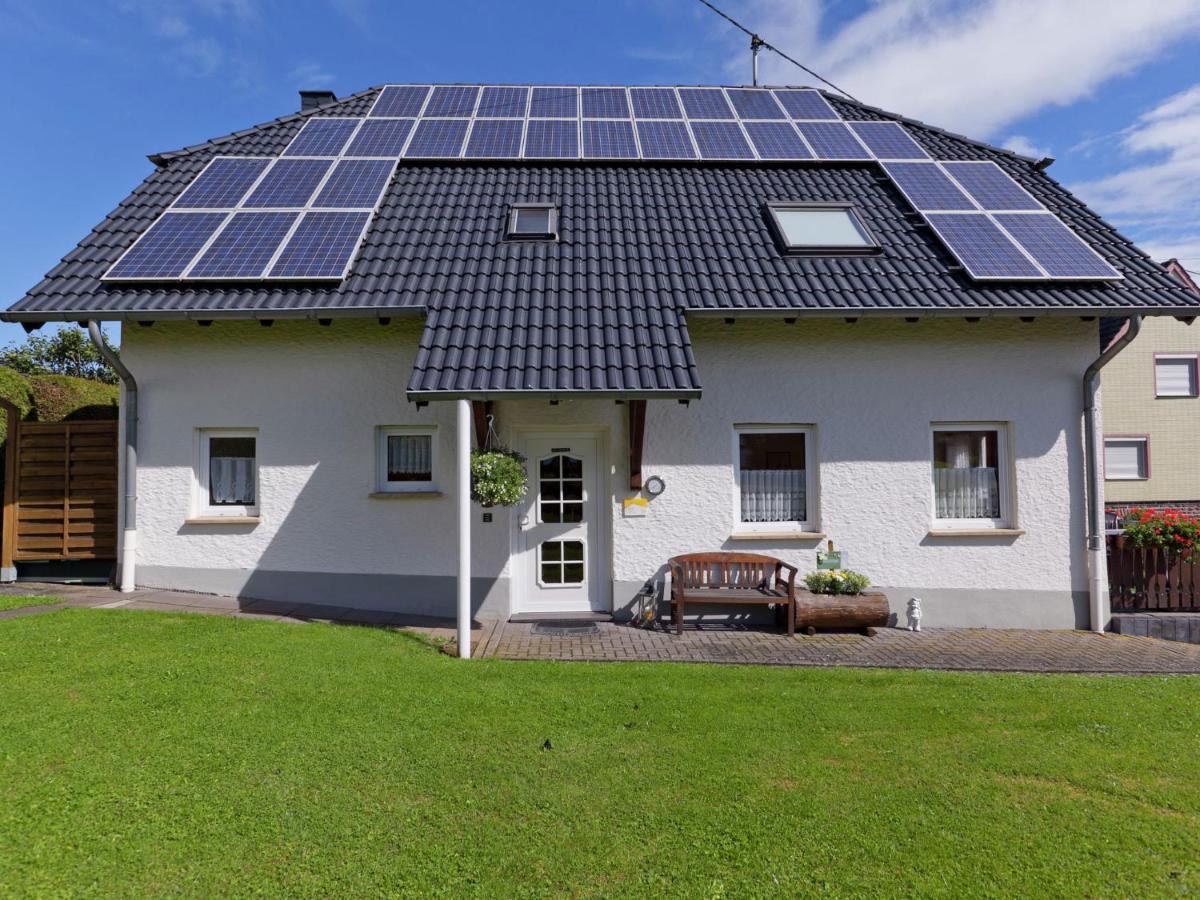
[{"x": 66, "y": 352}]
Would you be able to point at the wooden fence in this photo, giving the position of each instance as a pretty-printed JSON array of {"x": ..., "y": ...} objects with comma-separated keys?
[
  {"x": 1145, "y": 579},
  {"x": 60, "y": 491}
]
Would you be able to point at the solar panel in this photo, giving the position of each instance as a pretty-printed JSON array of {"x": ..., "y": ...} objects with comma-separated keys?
[
  {"x": 604, "y": 103},
  {"x": 832, "y": 140},
  {"x": 321, "y": 246},
  {"x": 322, "y": 137},
  {"x": 655, "y": 103},
  {"x": 403, "y": 101},
  {"x": 721, "y": 140},
  {"x": 777, "y": 140},
  {"x": 806, "y": 105},
  {"x": 552, "y": 138},
  {"x": 665, "y": 140},
  {"x": 452, "y": 101},
  {"x": 495, "y": 139},
  {"x": 167, "y": 246},
  {"x": 554, "y": 103},
  {"x": 223, "y": 183},
  {"x": 438, "y": 138},
  {"x": 380, "y": 137},
  {"x": 244, "y": 246},
  {"x": 705, "y": 103},
  {"x": 888, "y": 140},
  {"x": 983, "y": 249},
  {"x": 608, "y": 139},
  {"x": 356, "y": 184},
  {"x": 991, "y": 186},
  {"x": 755, "y": 103},
  {"x": 927, "y": 187},
  {"x": 503, "y": 102},
  {"x": 289, "y": 182},
  {"x": 1055, "y": 246}
]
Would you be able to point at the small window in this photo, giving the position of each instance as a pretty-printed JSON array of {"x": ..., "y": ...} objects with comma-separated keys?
[
  {"x": 533, "y": 220},
  {"x": 820, "y": 228},
  {"x": 1126, "y": 458},
  {"x": 227, "y": 473},
  {"x": 971, "y": 476},
  {"x": 1175, "y": 375},
  {"x": 405, "y": 459},
  {"x": 773, "y": 478}
]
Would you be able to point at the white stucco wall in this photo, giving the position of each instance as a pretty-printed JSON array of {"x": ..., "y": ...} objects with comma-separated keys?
[{"x": 870, "y": 389}]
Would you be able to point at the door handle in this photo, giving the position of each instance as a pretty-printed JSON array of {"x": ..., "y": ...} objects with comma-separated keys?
[{"x": 523, "y": 521}]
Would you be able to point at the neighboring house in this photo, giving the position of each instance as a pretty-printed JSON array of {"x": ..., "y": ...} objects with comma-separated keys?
[
  {"x": 1152, "y": 414},
  {"x": 701, "y": 336}
]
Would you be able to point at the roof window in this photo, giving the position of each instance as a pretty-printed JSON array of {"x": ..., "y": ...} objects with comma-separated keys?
[
  {"x": 820, "y": 228},
  {"x": 533, "y": 221}
]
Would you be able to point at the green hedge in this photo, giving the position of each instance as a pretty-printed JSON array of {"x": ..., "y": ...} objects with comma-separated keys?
[{"x": 56, "y": 398}]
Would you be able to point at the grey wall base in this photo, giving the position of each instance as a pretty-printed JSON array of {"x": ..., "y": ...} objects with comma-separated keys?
[
  {"x": 949, "y": 608},
  {"x": 417, "y": 595}
]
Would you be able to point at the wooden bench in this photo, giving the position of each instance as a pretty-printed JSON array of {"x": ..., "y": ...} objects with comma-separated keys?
[{"x": 732, "y": 578}]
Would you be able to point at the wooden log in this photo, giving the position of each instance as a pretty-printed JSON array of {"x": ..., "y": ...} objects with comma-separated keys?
[{"x": 841, "y": 611}]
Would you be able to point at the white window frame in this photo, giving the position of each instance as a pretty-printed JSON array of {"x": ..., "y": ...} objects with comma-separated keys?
[
  {"x": 1142, "y": 439},
  {"x": 382, "y": 485},
  {"x": 1192, "y": 358},
  {"x": 1006, "y": 476},
  {"x": 551, "y": 232},
  {"x": 811, "y": 496},
  {"x": 200, "y": 504}
]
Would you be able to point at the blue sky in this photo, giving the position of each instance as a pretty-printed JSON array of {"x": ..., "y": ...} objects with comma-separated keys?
[{"x": 1108, "y": 87}]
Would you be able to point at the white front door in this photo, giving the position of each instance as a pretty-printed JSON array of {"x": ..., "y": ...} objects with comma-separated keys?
[{"x": 561, "y": 558}]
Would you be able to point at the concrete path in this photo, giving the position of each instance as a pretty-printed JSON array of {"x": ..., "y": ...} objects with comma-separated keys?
[{"x": 962, "y": 649}]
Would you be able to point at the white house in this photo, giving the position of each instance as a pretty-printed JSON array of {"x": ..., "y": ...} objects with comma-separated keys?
[{"x": 710, "y": 318}]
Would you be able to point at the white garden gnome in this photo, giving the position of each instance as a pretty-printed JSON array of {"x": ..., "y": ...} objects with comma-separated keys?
[{"x": 914, "y": 614}]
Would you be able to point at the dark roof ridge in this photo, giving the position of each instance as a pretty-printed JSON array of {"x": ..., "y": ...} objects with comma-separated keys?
[
  {"x": 161, "y": 159},
  {"x": 908, "y": 120}
]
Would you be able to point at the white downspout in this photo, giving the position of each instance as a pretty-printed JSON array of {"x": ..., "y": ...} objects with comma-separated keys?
[
  {"x": 1098, "y": 602},
  {"x": 462, "y": 449},
  {"x": 127, "y": 580}
]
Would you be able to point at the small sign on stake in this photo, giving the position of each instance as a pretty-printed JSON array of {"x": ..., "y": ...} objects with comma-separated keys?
[{"x": 832, "y": 559}]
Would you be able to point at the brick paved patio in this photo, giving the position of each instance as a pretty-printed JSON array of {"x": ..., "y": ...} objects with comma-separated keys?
[
  {"x": 963, "y": 649},
  {"x": 966, "y": 649}
]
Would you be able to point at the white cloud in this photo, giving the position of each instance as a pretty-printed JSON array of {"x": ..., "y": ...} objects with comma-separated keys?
[
  {"x": 973, "y": 66},
  {"x": 1157, "y": 194},
  {"x": 1018, "y": 143},
  {"x": 310, "y": 75}
]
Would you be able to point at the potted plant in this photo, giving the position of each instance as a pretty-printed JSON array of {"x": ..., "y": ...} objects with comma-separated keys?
[
  {"x": 1169, "y": 530},
  {"x": 498, "y": 477},
  {"x": 836, "y": 581}
]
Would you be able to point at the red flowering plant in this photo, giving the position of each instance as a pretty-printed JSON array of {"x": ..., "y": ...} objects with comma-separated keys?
[{"x": 1170, "y": 530}]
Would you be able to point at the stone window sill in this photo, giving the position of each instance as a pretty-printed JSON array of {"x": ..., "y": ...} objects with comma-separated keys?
[
  {"x": 777, "y": 536},
  {"x": 975, "y": 532},
  {"x": 401, "y": 495},
  {"x": 222, "y": 520}
]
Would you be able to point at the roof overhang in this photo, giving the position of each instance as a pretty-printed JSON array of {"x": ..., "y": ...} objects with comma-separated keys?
[
  {"x": 212, "y": 315},
  {"x": 941, "y": 312},
  {"x": 541, "y": 394}
]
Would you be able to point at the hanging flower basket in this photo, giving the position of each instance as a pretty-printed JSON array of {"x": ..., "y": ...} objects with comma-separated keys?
[{"x": 498, "y": 477}]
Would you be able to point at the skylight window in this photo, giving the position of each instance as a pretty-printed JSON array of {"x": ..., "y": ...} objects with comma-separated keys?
[
  {"x": 533, "y": 221},
  {"x": 820, "y": 228}
]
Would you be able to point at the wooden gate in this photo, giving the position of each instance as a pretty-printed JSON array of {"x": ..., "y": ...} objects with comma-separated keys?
[
  {"x": 60, "y": 491},
  {"x": 1146, "y": 579}
]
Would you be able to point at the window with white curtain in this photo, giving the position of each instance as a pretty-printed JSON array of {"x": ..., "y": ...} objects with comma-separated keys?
[
  {"x": 405, "y": 459},
  {"x": 971, "y": 475},
  {"x": 1126, "y": 458},
  {"x": 227, "y": 472},
  {"x": 774, "y": 477},
  {"x": 1175, "y": 375}
]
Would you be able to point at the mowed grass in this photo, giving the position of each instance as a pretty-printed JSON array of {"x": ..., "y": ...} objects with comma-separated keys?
[
  {"x": 13, "y": 601},
  {"x": 147, "y": 754}
]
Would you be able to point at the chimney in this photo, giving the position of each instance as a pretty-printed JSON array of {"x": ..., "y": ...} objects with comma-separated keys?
[{"x": 313, "y": 99}]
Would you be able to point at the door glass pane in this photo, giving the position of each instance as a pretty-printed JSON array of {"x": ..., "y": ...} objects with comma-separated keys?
[
  {"x": 572, "y": 468},
  {"x": 573, "y": 573},
  {"x": 559, "y": 480},
  {"x": 572, "y": 490},
  {"x": 572, "y": 551},
  {"x": 549, "y": 467},
  {"x": 572, "y": 512},
  {"x": 561, "y": 562},
  {"x": 552, "y": 551},
  {"x": 551, "y": 513},
  {"x": 552, "y": 573}
]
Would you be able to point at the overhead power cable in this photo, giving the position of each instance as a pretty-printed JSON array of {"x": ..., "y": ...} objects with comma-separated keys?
[{"x": 756, "y": 41}]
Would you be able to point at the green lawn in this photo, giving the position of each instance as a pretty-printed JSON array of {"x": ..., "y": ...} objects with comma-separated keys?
[
  {"x": 145, "y": 753},
  {"x": 13, "y": 601}
]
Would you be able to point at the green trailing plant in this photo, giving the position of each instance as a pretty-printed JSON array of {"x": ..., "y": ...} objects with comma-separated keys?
[
  {"x": 836, "y": 581},
  {"x": 1169, "y": 530},
  {"x": 498, "y": 477}
]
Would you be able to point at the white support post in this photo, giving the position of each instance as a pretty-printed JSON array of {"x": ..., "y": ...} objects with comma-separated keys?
[{"x": 463, "y": 473}]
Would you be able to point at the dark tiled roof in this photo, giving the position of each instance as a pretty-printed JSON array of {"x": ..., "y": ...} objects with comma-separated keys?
[{"x": 641, "y": 243}]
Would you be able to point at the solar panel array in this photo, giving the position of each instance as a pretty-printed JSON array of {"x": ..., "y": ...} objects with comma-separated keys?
[
  {"x": 295, "y": 217},
  {"x": 300, "y": 216}
]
